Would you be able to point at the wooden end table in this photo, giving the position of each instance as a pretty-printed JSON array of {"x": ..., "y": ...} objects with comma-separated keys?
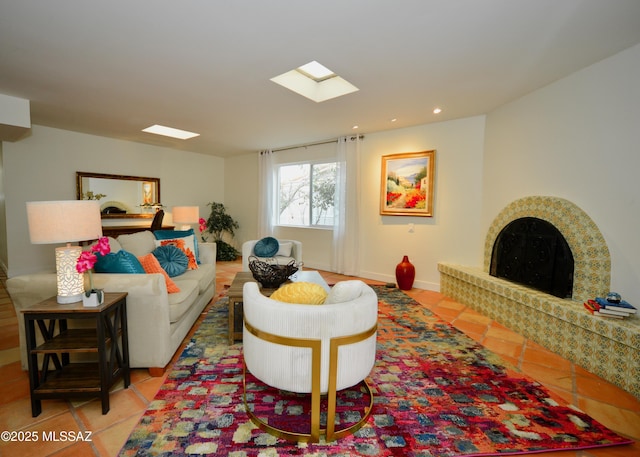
[
  {"x": 107, "y": 338},
  {"x": 235, "y": 303}
]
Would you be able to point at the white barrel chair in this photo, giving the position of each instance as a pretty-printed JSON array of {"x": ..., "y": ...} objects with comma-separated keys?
[
  {"x": 290, "y": 250},
  {"x": 314, "y": 349}
]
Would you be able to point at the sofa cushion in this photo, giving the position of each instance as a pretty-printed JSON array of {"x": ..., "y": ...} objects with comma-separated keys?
[
  {"x": 172, "y": 259},
  {"x": 284, "y": 249},
  {"x": 179, "y": 303},
  {"x": 204, "y": 275},
  {"x": 118, "y": 262},
  {"x": 139, "y": 243},
  {"x": 151, "y": 265},
  {"x": 188, "y": 236},
  {"x": 266, "y": 247}
]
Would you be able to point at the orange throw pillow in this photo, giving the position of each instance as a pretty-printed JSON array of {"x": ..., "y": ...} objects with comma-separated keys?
[{"x": 151, "y": 265}]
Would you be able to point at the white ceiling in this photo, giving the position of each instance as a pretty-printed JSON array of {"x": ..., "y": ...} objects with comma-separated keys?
[{"x": 113, "y": 67}]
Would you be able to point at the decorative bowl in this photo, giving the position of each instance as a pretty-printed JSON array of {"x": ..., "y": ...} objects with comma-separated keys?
[{"x": 271, "y": 275}]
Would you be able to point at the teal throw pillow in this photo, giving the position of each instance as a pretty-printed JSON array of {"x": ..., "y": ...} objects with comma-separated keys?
[
  {"x": 266, "y": 247},
  {"x": 173, "y": 234},
  {"x": 118, "y": 262},
  {"x": 172, "y": 259}
]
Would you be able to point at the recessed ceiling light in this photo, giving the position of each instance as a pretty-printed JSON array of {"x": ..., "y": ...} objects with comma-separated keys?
[
  {"x": 169, "y": 131},
  {"x": 355, "y": 127},
  {"x": 315, "y": 81},
  {"x": 437, "y": 110},
  {"x": 394, "y": 119}
]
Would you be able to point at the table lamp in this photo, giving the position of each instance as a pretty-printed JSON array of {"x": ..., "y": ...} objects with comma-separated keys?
[
  {"x": 186, "y": 215},
  {"x": 53, "y": 222}
]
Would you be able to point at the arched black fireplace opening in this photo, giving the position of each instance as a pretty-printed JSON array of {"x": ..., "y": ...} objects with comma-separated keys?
[{"x": 532, "y": 252}]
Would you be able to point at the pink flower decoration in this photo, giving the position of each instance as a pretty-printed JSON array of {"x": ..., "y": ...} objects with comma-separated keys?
[
  {"x": 102, "y": 246},
  {"x": 203, "y": 224},
  {"x": 86, "y": 261}
]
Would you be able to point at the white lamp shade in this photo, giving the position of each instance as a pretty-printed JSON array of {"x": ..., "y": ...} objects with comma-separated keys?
[
  {"x": 65, "y": 221},
  {"x": 52, "y": 222},
  {"x": 186, "y": 214}
]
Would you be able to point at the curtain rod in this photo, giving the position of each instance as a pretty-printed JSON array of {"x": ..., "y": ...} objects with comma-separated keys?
[{"x": 351, "y": 138}]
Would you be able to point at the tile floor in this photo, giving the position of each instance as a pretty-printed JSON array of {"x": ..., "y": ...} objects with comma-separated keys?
[{"x": 611, "y": 406}]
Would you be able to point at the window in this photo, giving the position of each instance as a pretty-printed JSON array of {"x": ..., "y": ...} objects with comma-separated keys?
[{"x": 305, "y": 194}]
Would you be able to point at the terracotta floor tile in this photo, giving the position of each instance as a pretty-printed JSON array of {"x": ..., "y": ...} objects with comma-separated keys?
[
  {"x": 470, "y": 315},
  {"x": 14, "y": 389},
  {"x": 595, "y": 387},
  {"x": 538, "y": 355},
  {"x": 499, "y": 332},
  {"x": 123, "y": 404},
  {"x": 109, "y": 441},
  {"x": 17, "y": 414},
  {"x": 42, "y": 447},
  {"x": 620, "y": 420},
  {"x": 13, "y": 371},
  {"x": 502, "y": 347},
  {"x": 448, "y": 314},
  {"x": 78, "y": 449},
  {"x": 470, "y": 328},
  {"x": 628, "y": 450},
  {"x": 149, "y": 387},
  {"x": 9, "y": 336},
  {"x": 549, "y": 376}
]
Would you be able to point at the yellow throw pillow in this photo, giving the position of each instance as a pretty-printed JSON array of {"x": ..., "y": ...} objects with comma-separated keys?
[{"x": 301, "y": 293}]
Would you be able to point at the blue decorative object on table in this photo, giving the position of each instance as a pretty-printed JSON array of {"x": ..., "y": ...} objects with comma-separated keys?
[{"x": 614, "y": 297}]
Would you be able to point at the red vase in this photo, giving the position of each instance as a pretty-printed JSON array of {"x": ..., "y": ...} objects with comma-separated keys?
[{"x": 405, "y": 274}]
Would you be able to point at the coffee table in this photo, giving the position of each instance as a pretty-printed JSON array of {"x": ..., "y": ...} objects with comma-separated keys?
[{"x": 235, "y": 296}]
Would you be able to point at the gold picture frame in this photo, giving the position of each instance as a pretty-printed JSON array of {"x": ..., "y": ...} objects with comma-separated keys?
[{"x": 406, "y": 187}]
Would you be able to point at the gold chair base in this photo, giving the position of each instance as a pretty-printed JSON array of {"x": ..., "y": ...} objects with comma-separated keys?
[
  {"x": 315, "y": 346},
  {"x": 330, "y": 435}
]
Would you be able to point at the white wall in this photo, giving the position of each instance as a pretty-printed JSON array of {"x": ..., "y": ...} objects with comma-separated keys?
[
  {"x": 451, "y": 234},
  {"x": 577, "y": 139},
  {"x": 43, "y": 167},
  {"x": 385, "y": 239}
]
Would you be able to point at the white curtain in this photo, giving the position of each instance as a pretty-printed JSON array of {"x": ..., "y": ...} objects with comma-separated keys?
[
  {"x": 347, "y": 207},
  {"x": 266, "y": 193}
]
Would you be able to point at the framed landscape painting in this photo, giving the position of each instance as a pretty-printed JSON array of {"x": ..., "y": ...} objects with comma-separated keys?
[{"x": 406, "y": 188}]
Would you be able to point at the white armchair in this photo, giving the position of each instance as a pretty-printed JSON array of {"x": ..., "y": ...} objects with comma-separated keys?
[
  {"x": 289, "y": 250},
  {"x": 316, "y": 349}
]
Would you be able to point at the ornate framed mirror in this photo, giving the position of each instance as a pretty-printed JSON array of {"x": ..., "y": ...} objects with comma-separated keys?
[{"x": 120, "y": 196}]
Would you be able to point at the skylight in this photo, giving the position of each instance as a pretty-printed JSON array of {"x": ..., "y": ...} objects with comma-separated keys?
[
  {"x": 316, "y": 71},
  {"x": 315, "y": 81},
  {"x": 170, "y": 131}
]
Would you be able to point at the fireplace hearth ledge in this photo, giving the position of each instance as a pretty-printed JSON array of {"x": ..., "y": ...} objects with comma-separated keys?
[{"x": 609, "y": 348}]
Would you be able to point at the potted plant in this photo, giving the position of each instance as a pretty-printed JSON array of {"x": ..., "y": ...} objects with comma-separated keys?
[{"x": 219, "y": 223}]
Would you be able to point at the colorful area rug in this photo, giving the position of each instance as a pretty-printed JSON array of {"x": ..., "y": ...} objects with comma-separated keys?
[{"x": 437, "y": 394}]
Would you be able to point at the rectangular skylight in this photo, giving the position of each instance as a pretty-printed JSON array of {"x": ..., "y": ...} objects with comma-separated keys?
[
  {"x": 315, "y": 81},
  {"x": 316, "y": 71},
  {"x": 169, "y": 131}
]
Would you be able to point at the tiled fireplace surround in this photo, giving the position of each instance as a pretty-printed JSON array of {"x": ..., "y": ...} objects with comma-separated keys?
[{"x": 609, "y": 348}]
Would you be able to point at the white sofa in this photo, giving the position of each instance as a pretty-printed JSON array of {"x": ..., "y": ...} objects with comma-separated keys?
[
  {"x": 294, "y": 253},
  {"x": 157, "y": 321}
]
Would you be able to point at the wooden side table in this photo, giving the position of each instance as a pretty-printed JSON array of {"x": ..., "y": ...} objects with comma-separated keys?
[
  {"x": 235, "y": 303},
  {"x": 107, "y": 338}
]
